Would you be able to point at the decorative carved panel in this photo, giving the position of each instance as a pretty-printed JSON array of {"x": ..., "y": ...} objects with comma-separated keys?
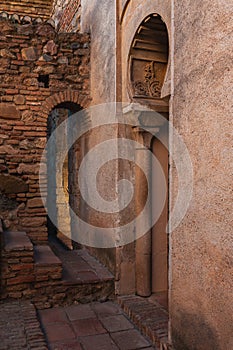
[{"x": 147, "y": 78}]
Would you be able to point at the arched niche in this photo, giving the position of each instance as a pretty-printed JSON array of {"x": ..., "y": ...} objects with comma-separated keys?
[{"x": 148, "y": 63}]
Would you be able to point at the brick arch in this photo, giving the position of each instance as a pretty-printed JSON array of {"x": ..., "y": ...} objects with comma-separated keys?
[{"x": 65, "y": 97}]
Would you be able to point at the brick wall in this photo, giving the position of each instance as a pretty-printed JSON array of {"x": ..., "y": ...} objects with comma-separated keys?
[
  {"x": 38, "y": 70},
  {"x": 66, "y": 14},
  {"x": 32, "y": 8}
]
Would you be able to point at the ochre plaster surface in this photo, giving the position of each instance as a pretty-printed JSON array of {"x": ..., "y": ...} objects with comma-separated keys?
[{"x": 201, "y": 306}]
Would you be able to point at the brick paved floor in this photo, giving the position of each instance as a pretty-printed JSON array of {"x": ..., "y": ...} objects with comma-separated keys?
[
  {"x": 95, "y": 326},
  {"x": 19, "y": 327}
]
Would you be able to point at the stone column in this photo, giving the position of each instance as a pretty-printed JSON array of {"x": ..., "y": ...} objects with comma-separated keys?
[
  {"x": 142, "y": 189},
  {"x": 159, "y": 234}
]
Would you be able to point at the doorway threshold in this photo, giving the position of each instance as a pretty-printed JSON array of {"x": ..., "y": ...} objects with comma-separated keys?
[{"x": 150, "y": 316}]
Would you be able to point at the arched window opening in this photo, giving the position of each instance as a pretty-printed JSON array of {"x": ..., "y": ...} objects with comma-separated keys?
[{"x": 148, "y": 62}]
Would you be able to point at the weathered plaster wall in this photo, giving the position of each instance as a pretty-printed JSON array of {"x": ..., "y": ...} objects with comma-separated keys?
[
  {"x": 202, "y": 246},
  {"x": 27, "y": 54},
  {"x": 99, "y": 18}
]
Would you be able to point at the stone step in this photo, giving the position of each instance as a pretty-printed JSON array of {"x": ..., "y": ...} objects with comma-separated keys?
[
  {"x": 47, "y": 264},
  {"x": 51, "y": 277},
  {"x": 14, "y": 241},
  {"x": 150, "y": 317},
  {"x": 79, "y": 266},
  {"x": 84, "y": 279},
  {"x": 17, "y": 264}
]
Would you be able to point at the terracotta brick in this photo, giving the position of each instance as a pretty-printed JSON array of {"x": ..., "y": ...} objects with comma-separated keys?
[
  {"x": 22, "y": 267},
  {"x": 20, "y": 280},
  {"x": 11, "y": 91}
]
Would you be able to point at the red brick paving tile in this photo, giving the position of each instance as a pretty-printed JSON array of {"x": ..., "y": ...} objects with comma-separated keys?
[
  {"x": 98, "y": 342},
  {"x": 59, "y": 332},
  {"x": 130, "y": 340},
  {"x": 116, "y": 323},
  {"x": 52, "y": 315},
  {"x": 89, "y": 326},
  {"x": 70, "y": 345},
  {"x": 106, "y": 309},
  {"x": 78, "y": 312}
]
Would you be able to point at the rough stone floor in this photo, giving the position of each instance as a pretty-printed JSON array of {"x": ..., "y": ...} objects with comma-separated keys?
[{"x": 94, "y": 326}]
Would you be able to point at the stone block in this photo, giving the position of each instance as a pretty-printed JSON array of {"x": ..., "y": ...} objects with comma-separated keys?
[
  {"x": 17, "y": 242},
  {"x": 28, "y": 168},
  {"x": 29, "y": 54},
  {"x": 19, "y": 99},
  {"x": 50, "y": 48},
  {"x": 12, "y": 184},
  {"x": 9, "y": 111},
  {"x": 5, "y": 53},
  {"x": 35, "y": 203}
]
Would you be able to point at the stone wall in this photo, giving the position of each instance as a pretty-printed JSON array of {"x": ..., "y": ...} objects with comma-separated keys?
[
  {"x": 39, "y": 70},
  {"x": 201, "y": 261}
]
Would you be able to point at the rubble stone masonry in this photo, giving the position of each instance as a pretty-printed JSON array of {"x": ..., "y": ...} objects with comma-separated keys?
[{"x": 39, "y": 69}]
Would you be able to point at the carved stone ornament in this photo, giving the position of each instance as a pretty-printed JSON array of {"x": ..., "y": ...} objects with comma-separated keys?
[{"x": 150, "y": 86}]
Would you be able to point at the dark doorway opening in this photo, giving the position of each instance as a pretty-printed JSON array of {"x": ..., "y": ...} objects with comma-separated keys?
[{"x": 59, "y": 209}]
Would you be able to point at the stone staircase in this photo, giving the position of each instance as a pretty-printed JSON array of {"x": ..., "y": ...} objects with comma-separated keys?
[{"x": 50, "y": 275}]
